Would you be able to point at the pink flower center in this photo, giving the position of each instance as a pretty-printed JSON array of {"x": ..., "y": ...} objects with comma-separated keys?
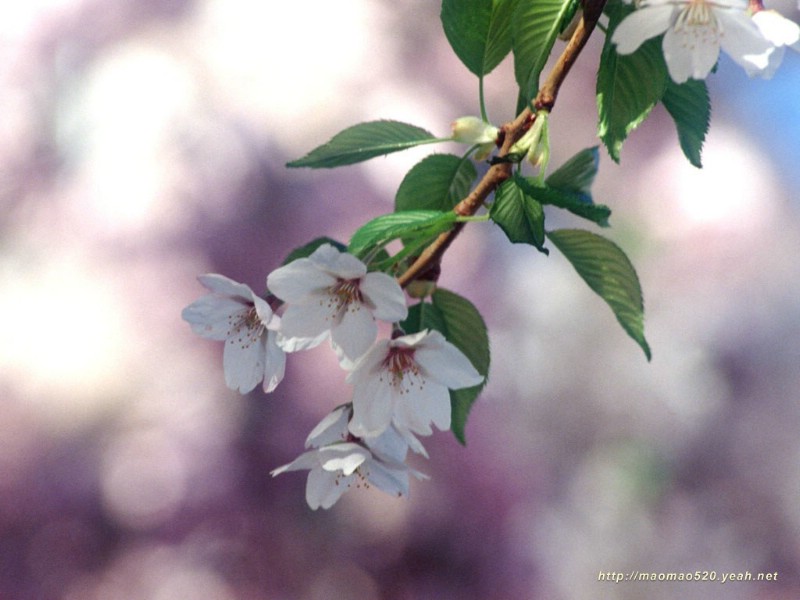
[
  {"x": 245, "y": 328},
  {"x": 345, "y": 294},
  {"x": 697, "y": 13},
  {"x": 404, "y": 370}
]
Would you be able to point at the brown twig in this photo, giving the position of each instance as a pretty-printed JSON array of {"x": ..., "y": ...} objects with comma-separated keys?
[{"x": 429, "y": 259}]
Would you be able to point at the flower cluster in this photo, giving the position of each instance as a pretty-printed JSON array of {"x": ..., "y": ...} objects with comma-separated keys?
[
  {"x": 400, "y": 385},
  {"x": 695, "y": 31},
  {"x": 339, "y": 460}
]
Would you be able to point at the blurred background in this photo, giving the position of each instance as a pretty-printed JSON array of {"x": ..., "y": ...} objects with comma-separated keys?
[{"x": 143, "y": 143}]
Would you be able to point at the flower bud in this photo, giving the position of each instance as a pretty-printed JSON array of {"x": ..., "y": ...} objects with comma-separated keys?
[
  {"x": 421, "y": 288},
  {"x": 539, "y": 153},
  {"x": 473, "y": 130},
  {"x": 535, "y": 143}
]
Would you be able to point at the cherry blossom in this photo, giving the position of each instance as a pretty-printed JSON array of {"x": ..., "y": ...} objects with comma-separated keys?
[
  {"x": 339, "y": 461},
  {"x": 331, "y": 294},
  {"x": 779, "y": 31},
  {"x": 694, "y": 31},
  {"x": 233, "y": 313},
  {"x": 404, "y": 382}
]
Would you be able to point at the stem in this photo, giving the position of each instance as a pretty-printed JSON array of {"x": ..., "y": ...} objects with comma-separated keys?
[
  {"x": 511, "y": 132},
  {"x": 471, "y": 219},
  {"x": 482, "y": 100},
  {"x": 546, "y": 98}
]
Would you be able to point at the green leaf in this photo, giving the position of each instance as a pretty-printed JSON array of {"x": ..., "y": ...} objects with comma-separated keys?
[
  {"x": 518, "y": 214},
  {"x": 479, "y": 31},
  {"x": 424, "y": 315},
  {"x": 609, "y": 272},
  {"x": 628, "y": 86},
  {"x": 576, "y": 202},
  {"x": 407, "y": 224},
  {"x": 577, "y": 174},
  {"x": 535, "y": 26},
  {"x": 690, "y": 107},
  {"x": 310, "y": 247},
  {"x": 437, "y": 182},
  {"x": 466, "y": 330},
  {"x": 364, "y": 141}
]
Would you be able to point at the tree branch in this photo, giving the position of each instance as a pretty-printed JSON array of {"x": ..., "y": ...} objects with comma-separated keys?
[{"x": 428, "y": 261}]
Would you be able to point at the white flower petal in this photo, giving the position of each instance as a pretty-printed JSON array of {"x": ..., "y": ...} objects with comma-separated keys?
[
  {"x": 322, "y": 489},
  {"x": 392, "y": 480},
  {"x": 356, "y": 332},
  {"x": 274, "y": 363},
  {"x": 421, "y": 407},
  {"x": 345, "y": 457},
  {"x": 776, "y": 28},
  {"x": 299, "y": 281},
  {"x": 333, "y": 428},
  {"x": 385, "y": 295},
  {"x": 390, "y": 444},
  {"x": 411, "y": 340},
  {"x": 308, "y": 322},
  {"x": 690, "y": 52},
  {"x": 445, "y": 363},
  {"x": 411, "y": 414},
  {"x": 742, "y": 39},
  {"x": 339, "y": 264},
  {"x": 345, "y": 362},
  {"x": 438, "y": 407},
  {"x": 369, "y": 364},
  {"x": 418, "y": 474},
  {"x": 640, "y": 26},
  {"x": 372, "y": 407},
  {"x": 243, "y": 361},
  {"x": 223, "y": 285},
  {"x": 411, "y": 440},
  {"x": 757, "y": 67},
  {"x": 263, "y": 310},
  {"x": 297, "y": 344},
  {"x": 307, "y": 460},
  {"x": 210, "y": 316}
]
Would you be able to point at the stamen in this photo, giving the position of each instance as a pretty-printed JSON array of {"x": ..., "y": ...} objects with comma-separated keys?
[
  {"x": 363, "y": 477},
  {"x": 245, "y": 328},
  {"x": 404, "y": 370},
  {"x": 344, "y": 295},
  {"x": 697, "y": 25}
]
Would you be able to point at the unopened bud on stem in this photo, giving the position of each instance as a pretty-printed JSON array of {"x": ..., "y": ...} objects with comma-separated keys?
[
  {"x": 473, "y": 130},
  {"x": 536, "y": 142}
]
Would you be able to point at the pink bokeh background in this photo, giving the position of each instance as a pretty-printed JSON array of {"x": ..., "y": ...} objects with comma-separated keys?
[{"x": 143, "y": 143}]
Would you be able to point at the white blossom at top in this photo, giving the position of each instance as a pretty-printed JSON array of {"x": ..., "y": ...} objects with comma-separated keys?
[
  {"x": 695, "y": 32},
  {"x": 404, "y": 382},
  {"x": 339, "y": 461},
  {"x": 331, "y": 293},
  {"x": 781, "y": 33},
  {"x": 233, "y": 313}
]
